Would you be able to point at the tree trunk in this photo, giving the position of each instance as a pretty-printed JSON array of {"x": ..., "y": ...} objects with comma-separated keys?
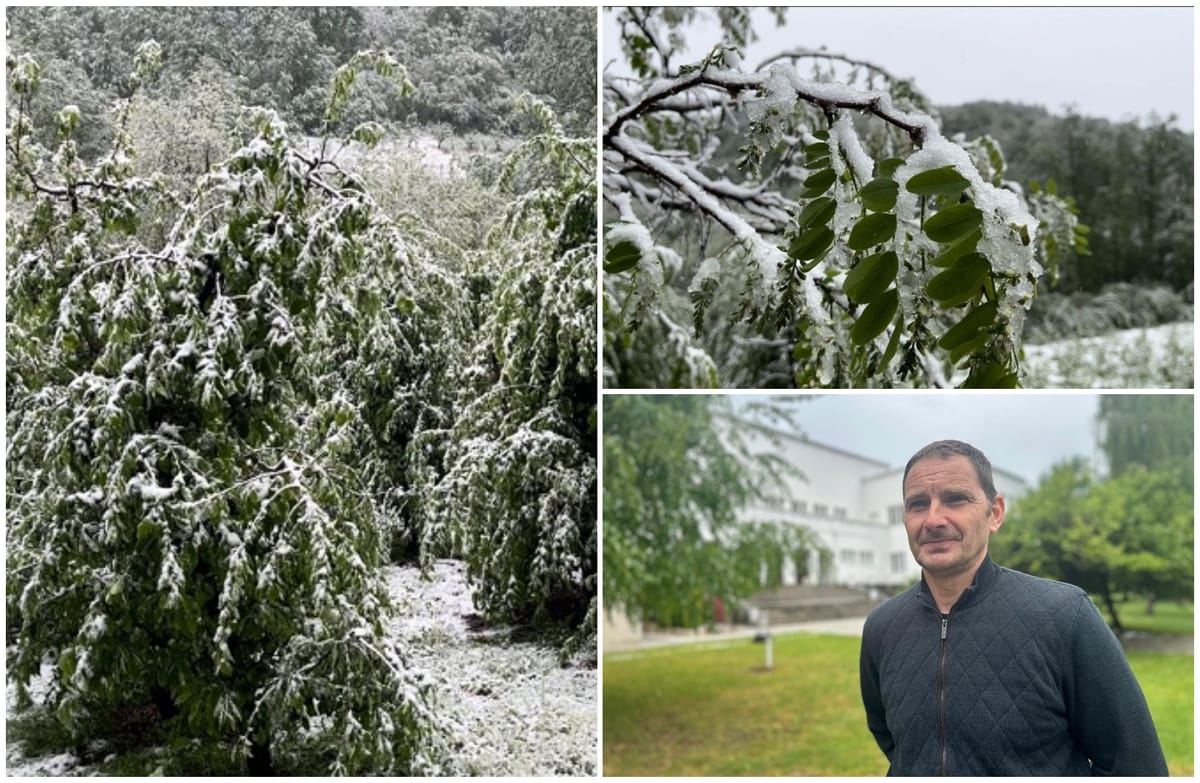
[
  {"x": 164, "y": 703},
  {"x": 259, "y": 762},
  {"x": 1150, "y": 605},
  {"x": 1112, "y": 610}
]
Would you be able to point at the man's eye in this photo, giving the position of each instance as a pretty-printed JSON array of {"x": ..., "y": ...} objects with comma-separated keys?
[{"x": 916, "y": 505}]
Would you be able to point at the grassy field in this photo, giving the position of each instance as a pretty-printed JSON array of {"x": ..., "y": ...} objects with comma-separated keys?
[
  {"x": 711, "y": 710},
  {"x": 1177, "y": 619}
]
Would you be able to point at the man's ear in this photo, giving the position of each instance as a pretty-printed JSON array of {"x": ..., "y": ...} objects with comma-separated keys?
[{"x": 997, "y": 514}]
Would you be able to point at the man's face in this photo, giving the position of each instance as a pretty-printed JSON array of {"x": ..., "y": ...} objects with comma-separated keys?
[{"x": 948, "y": 516}]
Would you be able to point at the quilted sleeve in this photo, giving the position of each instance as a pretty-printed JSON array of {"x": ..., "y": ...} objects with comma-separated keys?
[
  {"x": 868, "y": 673},
  {"x": 1106, "y": 710}
]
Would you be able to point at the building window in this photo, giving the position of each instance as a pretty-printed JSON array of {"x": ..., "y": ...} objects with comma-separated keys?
[
  {"x": 846, "y": 556},
  {"x": 898, "y": 561},
  {"x": 839, "y": 513},
  {"x": 866, "y": 558},
  {"x": 821, "y": 510},
  {"x": 800, "y": 506},
  {"x": 895, "y": 515}
]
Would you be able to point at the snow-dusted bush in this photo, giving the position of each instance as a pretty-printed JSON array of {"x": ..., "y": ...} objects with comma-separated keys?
[
  {"x": 518, "y": 499},
  {"x": 861, "y": 245},
  {"x": 190, "y": 520}
]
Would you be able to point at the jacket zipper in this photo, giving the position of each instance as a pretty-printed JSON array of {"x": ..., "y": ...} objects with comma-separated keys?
[{"x": 942, "y": 696}]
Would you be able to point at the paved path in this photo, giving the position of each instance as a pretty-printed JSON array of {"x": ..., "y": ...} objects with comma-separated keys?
[
  {"x": 852, "y": 626},
  {"x": 847, "y": 626}
]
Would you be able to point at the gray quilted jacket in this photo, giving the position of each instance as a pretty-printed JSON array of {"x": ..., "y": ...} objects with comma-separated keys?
[{"x": 1021, "y": 677}]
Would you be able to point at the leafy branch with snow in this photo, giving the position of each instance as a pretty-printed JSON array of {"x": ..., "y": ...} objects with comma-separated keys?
[
  {"x": 846, "y": 243},
  {"x": 230, "y": 394}
]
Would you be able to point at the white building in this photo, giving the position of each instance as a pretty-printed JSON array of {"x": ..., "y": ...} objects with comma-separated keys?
[{"x": 853, "y": 505}]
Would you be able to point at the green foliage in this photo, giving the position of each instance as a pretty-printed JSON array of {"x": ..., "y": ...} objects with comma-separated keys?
[
  {"x": 777, "y": 241},
  {"x": 518, "y": 496},
  {"x": 1148, "y": 432},
  {"x": 1130, "y": 180},
  {"x": 672, "y": 542},
  {"x": 1131, "y": 532}
]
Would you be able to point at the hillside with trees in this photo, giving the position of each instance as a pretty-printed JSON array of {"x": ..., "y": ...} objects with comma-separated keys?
[
  {"x": 1132, "y": 186},
  {"x": 256, "y": 396}
]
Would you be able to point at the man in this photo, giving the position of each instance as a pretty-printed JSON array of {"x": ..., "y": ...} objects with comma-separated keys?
[{"x": 980, "y": 670}]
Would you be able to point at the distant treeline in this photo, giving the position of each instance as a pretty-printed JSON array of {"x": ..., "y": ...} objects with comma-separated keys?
[
  {"x": 469, "y": 64},
  {"x": 1132, "y": 182}
]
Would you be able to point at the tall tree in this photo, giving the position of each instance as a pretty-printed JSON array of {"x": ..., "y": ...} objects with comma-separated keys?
[
  {"x": 1133, "y": 532},
  {"x": 677, "y": 474},
  {"x": 1147, "y": 431},
  {"x": 188, "y": 519}
]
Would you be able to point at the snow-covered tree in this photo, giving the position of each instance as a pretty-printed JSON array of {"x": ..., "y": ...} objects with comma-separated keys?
[
  {"x": 518, "y": 499},
  {"x": 821, "y": 232},
  {"x": 190, "y": 520}
]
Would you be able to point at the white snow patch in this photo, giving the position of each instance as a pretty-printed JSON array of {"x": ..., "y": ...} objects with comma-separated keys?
[
  {"x": 516, "y": 710},
  {"x": 1159, "y": 357}
]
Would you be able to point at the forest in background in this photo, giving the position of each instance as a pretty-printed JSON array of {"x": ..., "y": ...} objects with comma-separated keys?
[{"x": 1132, "y": 183}]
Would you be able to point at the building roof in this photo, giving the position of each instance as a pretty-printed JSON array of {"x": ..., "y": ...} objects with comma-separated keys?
[{"x": 800, "y": 437}]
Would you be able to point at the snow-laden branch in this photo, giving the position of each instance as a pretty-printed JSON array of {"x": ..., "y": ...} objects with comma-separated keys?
[{"x": 825, "y": 95}]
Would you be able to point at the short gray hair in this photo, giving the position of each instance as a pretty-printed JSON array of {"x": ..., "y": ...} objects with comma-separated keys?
[{"x": 945, "y": 449}]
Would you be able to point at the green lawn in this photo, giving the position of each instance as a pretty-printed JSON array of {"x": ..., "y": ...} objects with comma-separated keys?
[
  {"x": 1175, "y": 618},
  {"x": 711, "y": 710}
]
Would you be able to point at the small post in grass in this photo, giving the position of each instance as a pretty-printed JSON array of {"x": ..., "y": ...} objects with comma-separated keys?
[{"x": 764, "y": 637}]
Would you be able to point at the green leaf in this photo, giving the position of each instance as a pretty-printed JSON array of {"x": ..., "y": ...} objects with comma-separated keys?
[
  {"x": 944, "y": 181},
  {"x": 872, "y": 230},
  {"x": 969, "y": 327},
  {"x": 893, "y": 343},
  {"x": 953, "y": 222},
  {"x": 957, "y": 250},
  {"x": 887, "y": 167},
  {"x": 818, "y": 212},
  {"x": 817, "y": 149},
  {"x": 818, "y": 183},
  {"x": 992, "y": 375},
  {"x": 146, "y": 529},
  {"x": 871, "y": 277},
  {"x": 879, "y": 195},
  {"x": 960, "y": 282},
  {"x": 621, "y": 256},
  {"x": 875, "y": 318},
  {"x": 811, "y": 244}
]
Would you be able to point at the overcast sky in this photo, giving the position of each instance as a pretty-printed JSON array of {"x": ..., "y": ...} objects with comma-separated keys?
[
  {"x": 1024, "y": 433},
  {"x": 1116, "y": 63}
]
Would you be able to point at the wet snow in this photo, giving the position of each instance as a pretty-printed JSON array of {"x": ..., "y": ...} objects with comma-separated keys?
[
  {"x": 515, "y": 710},
  {"x": 512, "y": 709}
]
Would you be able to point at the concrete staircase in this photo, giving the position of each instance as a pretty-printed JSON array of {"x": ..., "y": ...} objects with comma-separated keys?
[{"x": 805, "y": 603}]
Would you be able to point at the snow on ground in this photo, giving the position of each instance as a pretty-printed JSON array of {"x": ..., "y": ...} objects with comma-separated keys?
[
  {"x": 16, "y": 764},
  {"x": 422, "y": 148},
  {"x": 1132, "y": 358},
  {"x": 512, "y": 708},
  {"x": 516, "y": 710}
]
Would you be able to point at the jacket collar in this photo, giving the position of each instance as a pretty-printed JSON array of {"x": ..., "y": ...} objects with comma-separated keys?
[{"x": 984, "y": 576}]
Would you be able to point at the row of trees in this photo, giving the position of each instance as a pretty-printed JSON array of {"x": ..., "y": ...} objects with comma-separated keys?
[
  {"x": 230, "y": 396},
  {"x": 1130, "y": 181}
]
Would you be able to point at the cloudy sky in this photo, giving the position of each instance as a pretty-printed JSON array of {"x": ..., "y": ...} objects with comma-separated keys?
[
  {"x": 1025, "y": 433},
  {"x": 1116, "y": 63}
]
